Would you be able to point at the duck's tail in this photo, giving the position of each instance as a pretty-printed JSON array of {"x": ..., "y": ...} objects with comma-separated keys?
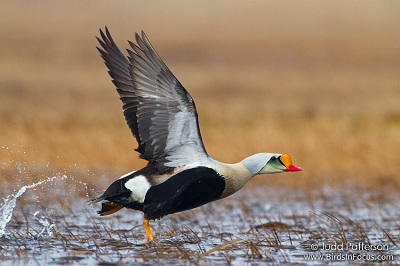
[{"x": 107, "y": 207}]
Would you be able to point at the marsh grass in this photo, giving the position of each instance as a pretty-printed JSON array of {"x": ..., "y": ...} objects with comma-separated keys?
[
  {"x": 259, "y": 233},
  {"x": 318, "y": 81}
]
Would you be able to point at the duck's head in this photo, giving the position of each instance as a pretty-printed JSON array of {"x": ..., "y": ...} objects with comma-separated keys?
[{"x": 269, "y": 163}]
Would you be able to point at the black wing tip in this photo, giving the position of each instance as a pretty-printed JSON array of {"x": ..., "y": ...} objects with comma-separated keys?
[
  {"x": 145, "y": 39},
  {"x": 103, "y": 36},
  {"x": 105, "y": 40},
  {"x": 105, "y": 29},
  {"x": 106, "y": 37},
  {"x": 141, "y": 35}
]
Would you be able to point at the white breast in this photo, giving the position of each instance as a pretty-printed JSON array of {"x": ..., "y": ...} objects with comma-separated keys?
[{"x": 139, "y": 187}]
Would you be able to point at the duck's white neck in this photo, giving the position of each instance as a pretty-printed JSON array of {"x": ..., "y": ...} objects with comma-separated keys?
[{"x": 237, "y": 175}]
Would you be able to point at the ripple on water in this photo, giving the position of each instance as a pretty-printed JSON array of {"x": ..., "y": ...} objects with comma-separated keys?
[{"x": 248, "y": 228}]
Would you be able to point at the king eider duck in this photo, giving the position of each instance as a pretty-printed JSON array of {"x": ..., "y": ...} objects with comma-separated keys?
[{"x": 162, "y": 116}]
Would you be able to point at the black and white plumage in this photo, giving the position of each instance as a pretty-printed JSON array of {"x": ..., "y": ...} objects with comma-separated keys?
[{"x": 162, "y": 117}]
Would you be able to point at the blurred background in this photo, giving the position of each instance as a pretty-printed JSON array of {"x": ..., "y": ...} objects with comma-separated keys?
[{"x": 319, "y": 80}]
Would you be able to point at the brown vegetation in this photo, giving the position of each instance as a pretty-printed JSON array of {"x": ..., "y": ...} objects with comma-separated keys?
[{"x": 318, "y": 81}]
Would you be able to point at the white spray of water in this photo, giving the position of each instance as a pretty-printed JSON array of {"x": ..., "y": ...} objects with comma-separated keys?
[
  {"x": 48, "y": 227},
  {"x": 10, "y": 202}
]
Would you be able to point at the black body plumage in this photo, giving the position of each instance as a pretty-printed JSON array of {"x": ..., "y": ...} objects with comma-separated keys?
[{"x": 186, "y": 190}]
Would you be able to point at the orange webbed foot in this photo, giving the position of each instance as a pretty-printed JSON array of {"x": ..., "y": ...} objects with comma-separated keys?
[{"x": 149, "y": 235}]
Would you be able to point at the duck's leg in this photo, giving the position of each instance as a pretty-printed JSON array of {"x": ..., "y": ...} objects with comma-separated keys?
[{"x": 149, "y": 235}]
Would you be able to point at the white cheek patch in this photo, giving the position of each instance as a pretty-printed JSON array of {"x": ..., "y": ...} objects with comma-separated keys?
[{"x": 139, "y": 187}]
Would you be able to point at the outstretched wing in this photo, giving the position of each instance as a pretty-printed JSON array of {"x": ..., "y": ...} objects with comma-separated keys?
[{"x": 159, "y": 111}]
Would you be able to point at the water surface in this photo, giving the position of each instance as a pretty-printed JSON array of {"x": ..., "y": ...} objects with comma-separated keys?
[{"x": 47, "y": 223}]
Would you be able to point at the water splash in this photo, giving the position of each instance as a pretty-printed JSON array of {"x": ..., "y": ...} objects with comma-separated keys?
[
  {"x": 48, "y": 226},
  {"x": 10, "y": 202}
]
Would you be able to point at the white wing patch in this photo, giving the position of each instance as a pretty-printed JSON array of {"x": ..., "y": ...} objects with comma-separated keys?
[
  {"x": 139, "y": 187},
  {"x": 125, "y": 175}
]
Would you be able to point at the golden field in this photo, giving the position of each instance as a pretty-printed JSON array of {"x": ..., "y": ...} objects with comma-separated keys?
[
  {"x": 316, "y": 79},
  {"x": 319, "y": 80}
]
